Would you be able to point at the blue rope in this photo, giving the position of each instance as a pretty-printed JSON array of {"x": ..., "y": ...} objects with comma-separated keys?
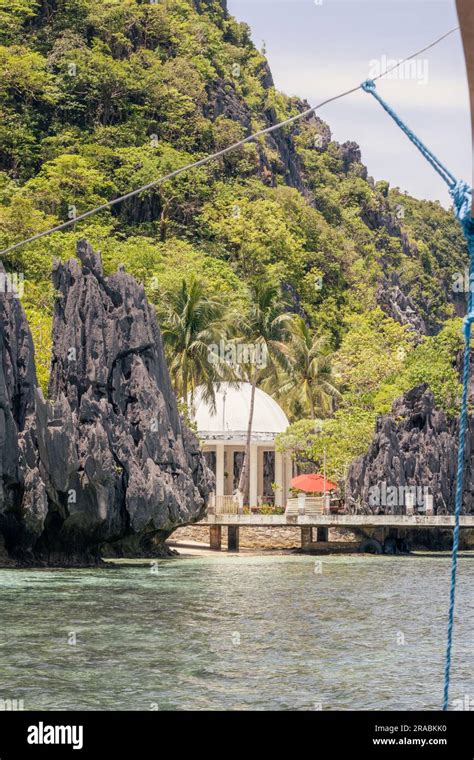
[
  {"x": 459, "y": 481},
  {"x": 369, "y": 86},
  {"x": 461, "y": 195}
]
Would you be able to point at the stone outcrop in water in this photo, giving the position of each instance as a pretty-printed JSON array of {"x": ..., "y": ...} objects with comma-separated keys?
[
  {"x": 18, "y": 480},
  {"x": 413, "y": 446},
  {"x": 106, "y": 461}
]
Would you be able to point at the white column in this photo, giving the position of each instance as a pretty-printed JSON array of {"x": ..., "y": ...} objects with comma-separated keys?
[
  {"x": 228, "y": 467},
  {"x": 428, "y": 501},
  {"x": 253, "y": 475},
  {"x": 219, "y": 469},
  {"x": 288, "y": 474},
  {"x": 280, "y": 500}
]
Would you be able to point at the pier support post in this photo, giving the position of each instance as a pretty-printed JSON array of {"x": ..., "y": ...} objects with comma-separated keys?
[
  {"x": 322, "y": 534},
  {"x": 215, "y": 537},
  {"x": 306, "y": 537},
  {"x": 233, "y": 538}
]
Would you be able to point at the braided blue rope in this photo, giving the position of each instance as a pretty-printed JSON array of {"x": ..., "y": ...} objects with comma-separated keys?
[
  {"x": 461, "y": 195},
  {"x": 459, "y": 481},
  {"x": 369, "y": 86}
]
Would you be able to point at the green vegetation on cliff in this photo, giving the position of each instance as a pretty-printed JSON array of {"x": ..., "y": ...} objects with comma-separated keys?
[{"x": 98, "y": 98}]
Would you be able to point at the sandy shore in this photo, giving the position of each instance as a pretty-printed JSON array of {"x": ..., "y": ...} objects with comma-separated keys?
[{"x": 196, "y": 549}]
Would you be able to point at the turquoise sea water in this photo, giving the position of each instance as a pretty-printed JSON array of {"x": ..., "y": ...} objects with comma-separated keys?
[{"x": 236, "y": 632}]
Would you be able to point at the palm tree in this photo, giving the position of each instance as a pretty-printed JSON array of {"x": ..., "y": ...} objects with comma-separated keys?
[
  {"x": 192, "y": 322},
  {"x": 265, "y": 327},
  {"x": 307, "y": 382}
]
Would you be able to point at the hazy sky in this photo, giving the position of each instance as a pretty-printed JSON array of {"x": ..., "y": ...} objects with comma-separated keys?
[{"x": 318, "y": 49}]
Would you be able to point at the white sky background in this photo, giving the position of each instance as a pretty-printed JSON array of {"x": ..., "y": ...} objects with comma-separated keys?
[{"x": 316, "y": 51}]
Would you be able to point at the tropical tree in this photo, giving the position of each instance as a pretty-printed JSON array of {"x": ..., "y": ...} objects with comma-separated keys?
[
  {"x": 192, "y": 322},
  {"x": 308, "y": 384},
  {"x": 265, "y": 327},
  {"x": 336, "y": 441}
]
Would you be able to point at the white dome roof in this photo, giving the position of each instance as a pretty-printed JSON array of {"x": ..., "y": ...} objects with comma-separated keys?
[{"x": 231, "y": 416}]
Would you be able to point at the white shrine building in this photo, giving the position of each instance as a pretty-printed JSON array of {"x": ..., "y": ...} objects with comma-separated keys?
[{"x": 223, "y": 433}]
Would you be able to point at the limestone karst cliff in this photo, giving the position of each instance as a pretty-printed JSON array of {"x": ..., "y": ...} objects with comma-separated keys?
[
  {"x": 413, "y": 446},
  {"x": 105, "y": 98},
  {"x": 107, "y": 459}
]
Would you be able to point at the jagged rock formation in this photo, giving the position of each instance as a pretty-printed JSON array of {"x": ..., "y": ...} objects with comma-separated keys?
[
  {"x": 223, "y": 100},
  {"x": 17, "y": 403},
  {"x": 396, "y": 304},
  {"x": 108, "y": 457},
  {"x": 413, "y": 446}
]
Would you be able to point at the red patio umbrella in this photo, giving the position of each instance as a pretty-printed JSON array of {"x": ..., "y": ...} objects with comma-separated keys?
[{"x": 313, "y": 484}]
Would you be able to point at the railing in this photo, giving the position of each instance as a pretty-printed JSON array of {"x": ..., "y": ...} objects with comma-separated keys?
[
  {"x": 410, "y": 507},
  {"x": 226, "y": 505},
  {"x": 311, "y": 505},
  {"x": 229, "y": 505}
]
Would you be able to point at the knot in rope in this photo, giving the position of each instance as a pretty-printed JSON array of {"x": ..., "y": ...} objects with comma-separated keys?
[
  {"x": 368, "y": 85},
  {"x": 461, "y": 194}
]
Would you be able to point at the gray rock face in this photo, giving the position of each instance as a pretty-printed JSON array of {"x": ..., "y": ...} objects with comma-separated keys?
[
  {"x": 22, "y": 496},
  {"x": 224, "y": 100},
  {"x": 108, "y": 457},
  {"x": 351, "y": 154},
  {"x": 397, "y": 305},
  {"x": 414, "y": 446}
]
